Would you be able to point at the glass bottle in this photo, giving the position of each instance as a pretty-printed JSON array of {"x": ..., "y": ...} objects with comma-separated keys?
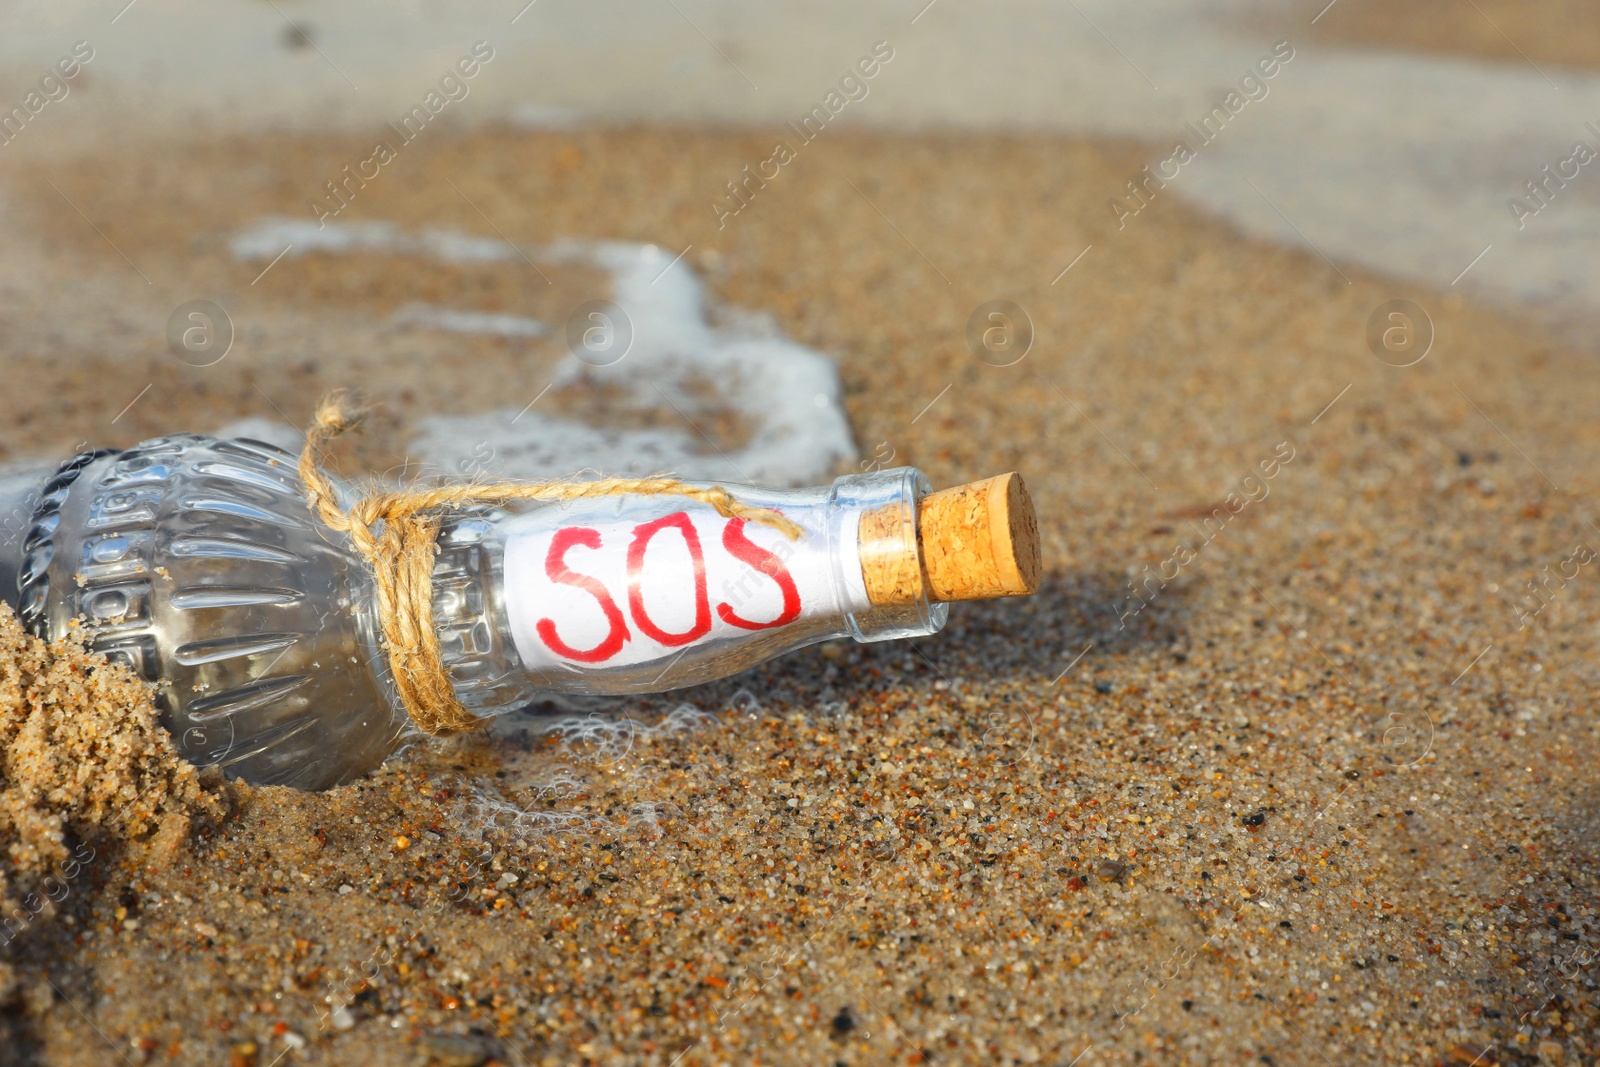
[{"x": 197, "y": 563}]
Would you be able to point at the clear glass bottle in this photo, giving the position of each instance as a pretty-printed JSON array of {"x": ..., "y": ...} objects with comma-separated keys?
[
  {"x": 723, "y": 609},
  {"x": 196, "y": 562}
]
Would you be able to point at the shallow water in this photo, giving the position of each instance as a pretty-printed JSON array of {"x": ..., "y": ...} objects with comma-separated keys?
[{"x": 1400, "y": 162}]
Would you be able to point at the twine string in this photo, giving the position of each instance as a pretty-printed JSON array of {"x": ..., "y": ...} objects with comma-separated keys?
[{"x": 396, "y": 534}]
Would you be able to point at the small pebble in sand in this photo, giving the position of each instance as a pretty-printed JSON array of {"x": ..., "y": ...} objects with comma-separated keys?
[{"x": 453, "y": 1050}]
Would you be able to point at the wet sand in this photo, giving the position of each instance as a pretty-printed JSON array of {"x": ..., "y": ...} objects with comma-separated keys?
[
  {"x": 1327, "y": 796},
  {"x": 1560, "y": 32}
]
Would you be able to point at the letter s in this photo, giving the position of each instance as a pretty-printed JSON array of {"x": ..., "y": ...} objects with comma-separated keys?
[
  {"x": 884, "y": 51},
  {"x": 83, "y": 51},
  {"x": 739, "y": 545},
  {"x": 556, "y": 568},
  {"x": 1283, "y": 50},
  {"x": 483, "y": 50}
]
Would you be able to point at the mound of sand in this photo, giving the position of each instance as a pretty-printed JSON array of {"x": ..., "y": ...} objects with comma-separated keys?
[{"x": 85, "y": 769}]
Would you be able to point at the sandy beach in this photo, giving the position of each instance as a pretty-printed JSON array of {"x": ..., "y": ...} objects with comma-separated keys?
[
  {"x": 1321, "y": 790},
  {"x": 1289, "y": 761}
]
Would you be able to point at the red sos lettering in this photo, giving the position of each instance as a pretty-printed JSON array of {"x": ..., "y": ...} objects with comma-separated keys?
[
  {"x": 680, "y": 521},
  {"x": 555, "y": 566},
  {"x": 734, "y": 540},
  {"x": 745, "y": 550}
]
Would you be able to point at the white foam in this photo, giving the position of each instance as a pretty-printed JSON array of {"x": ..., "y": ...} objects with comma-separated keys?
[
  {"x": 293, "y": 238},
  {"x": 787, "y": 393},
  {"x": 426, "y": 316}
]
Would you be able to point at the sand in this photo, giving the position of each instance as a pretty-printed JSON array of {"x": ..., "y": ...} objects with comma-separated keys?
[
  {"x": 1556, "y": 32},
  {"x": 1327, "y": 797},
  {"x": 88, "y": 779}
]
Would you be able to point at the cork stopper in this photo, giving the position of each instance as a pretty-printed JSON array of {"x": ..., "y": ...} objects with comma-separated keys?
[
  {"x": 891, "y": 562},
  {"x": 970, "y": 542},
  {"x": 980, "y": 540}
]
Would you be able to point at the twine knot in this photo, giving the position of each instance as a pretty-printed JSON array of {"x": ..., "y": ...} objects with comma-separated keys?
[{"x": 397, "y": 532}]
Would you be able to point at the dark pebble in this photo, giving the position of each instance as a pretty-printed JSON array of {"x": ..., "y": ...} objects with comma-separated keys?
[{"x": 454, "y": 1050}]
